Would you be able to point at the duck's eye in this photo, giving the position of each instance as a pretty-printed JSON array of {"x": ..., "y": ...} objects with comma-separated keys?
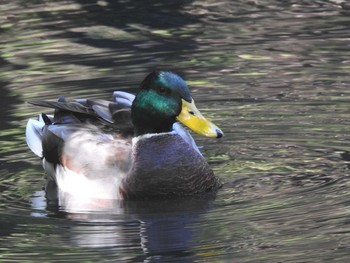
[
  {"x": 162, "y": 90},
  {"x": 191, "y": 112}
]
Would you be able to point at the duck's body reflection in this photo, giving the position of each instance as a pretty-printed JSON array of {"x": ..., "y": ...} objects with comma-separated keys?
[{"x": 155, "y": 229}]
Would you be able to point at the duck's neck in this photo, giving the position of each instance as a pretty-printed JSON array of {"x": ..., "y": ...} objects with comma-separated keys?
[{"x": 141, "y": 129}]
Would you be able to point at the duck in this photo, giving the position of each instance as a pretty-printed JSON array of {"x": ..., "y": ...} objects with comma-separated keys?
[{"x": 132, "y": 147}]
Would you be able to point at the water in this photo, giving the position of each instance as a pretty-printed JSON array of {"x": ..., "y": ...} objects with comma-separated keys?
[{"x": 274, "y": 75}]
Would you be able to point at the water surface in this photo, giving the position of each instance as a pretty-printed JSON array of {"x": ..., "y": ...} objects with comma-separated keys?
[{"x": 274, "y": 75}]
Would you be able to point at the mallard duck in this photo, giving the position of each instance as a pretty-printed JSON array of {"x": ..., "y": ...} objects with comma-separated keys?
[{"x": 128, "y": 148}]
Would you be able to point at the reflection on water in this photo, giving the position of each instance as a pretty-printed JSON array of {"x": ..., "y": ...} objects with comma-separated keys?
[
  {"x": 273, "y": 74},
  {"x": 158, "y": 229}
]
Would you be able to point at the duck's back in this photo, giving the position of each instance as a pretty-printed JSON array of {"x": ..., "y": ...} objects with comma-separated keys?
[{"x": 165, "y": 165}]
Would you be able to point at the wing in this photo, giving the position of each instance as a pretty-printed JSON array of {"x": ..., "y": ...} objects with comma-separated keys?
[{"x": 46, "y": 135}]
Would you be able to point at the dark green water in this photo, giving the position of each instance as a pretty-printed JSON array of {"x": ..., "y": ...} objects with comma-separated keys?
[{"x": 274, "y": 75}]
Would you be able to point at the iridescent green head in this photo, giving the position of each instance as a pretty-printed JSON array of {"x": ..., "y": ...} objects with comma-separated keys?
[{"x": 163, "y": 99}]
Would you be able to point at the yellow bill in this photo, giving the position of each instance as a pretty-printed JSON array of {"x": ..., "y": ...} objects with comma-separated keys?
[{"x": 193, "y": 119}]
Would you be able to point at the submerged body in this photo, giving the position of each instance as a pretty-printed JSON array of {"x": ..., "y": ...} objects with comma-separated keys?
[{"x": 127, "y": 148}]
